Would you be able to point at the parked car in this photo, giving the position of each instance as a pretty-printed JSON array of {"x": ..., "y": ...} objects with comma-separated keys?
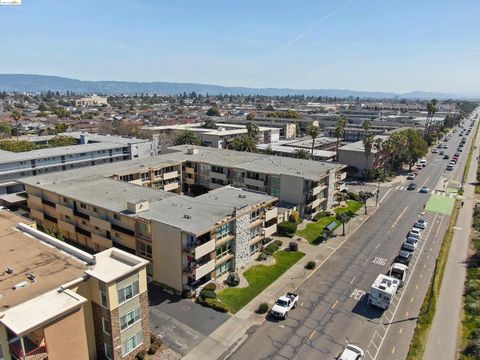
[
  {"x": 434, "y": 151},
  {"x": 398, "y": 271},
  {"x": 415, "y": 233},
  {"x": 442, "y": 152},
  {"x": 424, "y": 189},
  {"x": 450, "y": 167},
  {"x": 410, "y": 176},
  {"x": 404, "y": 257},
  {"x": 446, "y": 157},
  {"x": 411, "y": 186},
  {"x": 351, "y": 352},
  {"x": 284, "y": 304},
  {"x": 410, "y": 244},
  {"x": 421, "y": 224}
]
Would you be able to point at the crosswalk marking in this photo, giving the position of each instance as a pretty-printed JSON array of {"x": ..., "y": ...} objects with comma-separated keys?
[{"x": 433, "y": 192}]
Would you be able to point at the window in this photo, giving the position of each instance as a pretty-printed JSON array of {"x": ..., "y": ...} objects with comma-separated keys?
[
  {"x": 255, "y": 214},
  {"x": 132, "y": 343},
  {"x": 146, "y": 250},
  {"x": 224, "y": 249},
  {"x": 224, "y": 230},
  {"x": 223, "y": 268},
  {"x": 130, "y": 318},
  {"x": 106, "y": 326},
  {"x": 275, "y": 192},
  {"x": 108, "y": 351},
  {"x": 254, "y": 232},
  {"x": 116, "y": 216},
  {"x": 83, "y": 206},
  {"x": 275, "y": 180},
  {"x": 128, "y": 292},
  {"x": 144, "y": 229},
  {"x": 95, "y": 209},
  {"x": 103, "y": 298}
]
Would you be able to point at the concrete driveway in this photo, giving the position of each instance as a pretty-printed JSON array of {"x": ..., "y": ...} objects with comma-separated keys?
[{"x": 182, "y": 323}]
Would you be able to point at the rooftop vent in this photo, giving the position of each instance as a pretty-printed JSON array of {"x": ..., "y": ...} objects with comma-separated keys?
[
  {"x": 186, "y": 216},
  {"x": 9, "y": 270},
  {"x": 32, "y": 277},
  {"x": 192, "y": 151},
  {"x": 242, "y": 196},
  {"x": 19, "y": 285}
]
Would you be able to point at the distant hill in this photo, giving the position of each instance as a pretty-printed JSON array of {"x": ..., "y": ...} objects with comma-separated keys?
[{"x": 43, "y": 83}]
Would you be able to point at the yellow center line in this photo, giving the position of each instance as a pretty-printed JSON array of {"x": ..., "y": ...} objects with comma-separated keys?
[{"x": 399, "y": 217}]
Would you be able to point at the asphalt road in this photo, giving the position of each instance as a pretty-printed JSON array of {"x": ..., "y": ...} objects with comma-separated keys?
[{"x": 333, "y": 308}]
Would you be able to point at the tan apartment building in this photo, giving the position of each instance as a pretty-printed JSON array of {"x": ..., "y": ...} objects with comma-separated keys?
[
  {"x": 189, "y": 241},
  {"x": 59, "y": 302}
]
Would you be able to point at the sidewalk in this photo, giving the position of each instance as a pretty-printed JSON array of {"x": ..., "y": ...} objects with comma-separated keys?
[
  {"x": 233, "y": 332},
  {"x": 442, "y": 339}
]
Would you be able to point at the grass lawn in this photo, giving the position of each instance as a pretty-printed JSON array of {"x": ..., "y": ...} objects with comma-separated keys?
[
  {"x": 313, "y": 232},
  {"x": 259, "y": 277}
]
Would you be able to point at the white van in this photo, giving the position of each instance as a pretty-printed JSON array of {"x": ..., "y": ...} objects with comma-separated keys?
[
  {"x": 423, "y": 162},
  {"x": 450, "y": 167}
]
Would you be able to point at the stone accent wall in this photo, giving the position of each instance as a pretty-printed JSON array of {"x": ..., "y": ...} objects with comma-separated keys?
[
  {"x": 331, "y": 189},
  {"x": 242, "y": 237},
  {"x": 100, "y": 337}
]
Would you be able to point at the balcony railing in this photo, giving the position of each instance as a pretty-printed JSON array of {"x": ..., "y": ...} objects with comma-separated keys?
[
  {"x": 123, "y": 230},
  {"x": 32, "y": 350}
]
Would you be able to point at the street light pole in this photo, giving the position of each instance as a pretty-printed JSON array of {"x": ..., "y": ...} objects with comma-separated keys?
[{"x": 378, "y": 193}]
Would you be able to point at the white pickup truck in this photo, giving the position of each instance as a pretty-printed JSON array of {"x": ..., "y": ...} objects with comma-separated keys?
[{"x": 284, "y": 304}]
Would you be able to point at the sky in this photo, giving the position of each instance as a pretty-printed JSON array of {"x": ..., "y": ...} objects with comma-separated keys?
[{"x": 382, "y": 45}]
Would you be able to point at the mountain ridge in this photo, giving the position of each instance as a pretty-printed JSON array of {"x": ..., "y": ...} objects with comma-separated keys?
[{"x": 43, "y": 83}]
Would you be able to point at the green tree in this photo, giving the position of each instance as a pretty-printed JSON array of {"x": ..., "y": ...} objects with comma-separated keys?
[
  {"x": 302, "y": 154},
  {"x": 60, "y": 127},
  {"x": 343, "y": 218},
  {"x": 213, "y": 111},
  {"x": 210, "y": 124},
  {"x": 17, "y": 146},
  {"x": 253, "y": 130},
  {"x": 313, "y": 131},
  {"x": 364, "y": 196},
  {"x": 17, "y": 116},
  {"x": 187, "y": 137},
  {"x": 340, "y": 131},
  {"x": 61, "y": 113},
  {"x": 58, "y": 141},
  {"x": 251, "y": 116},
  {"x": 244, "y": 143},
  {"x": 431, "y": 109},
  {"x": 5, "y": 129},
  {"x": 414, "y": 148}
]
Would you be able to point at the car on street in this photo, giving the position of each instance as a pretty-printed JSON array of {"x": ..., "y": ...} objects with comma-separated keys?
[
  {"x": 410, "y": 244},
  {"x": 419, "y": 166},
  {"x": 445, "y": 146},
  {"x": 442, "y": 152},
  {"x": 434, "y": 151},
  {"x": 421, "y": 224},
  {"x": 404, "y": 257},
  {"x": 284, "y": 304},
  {"x": 351, "y": 352},
  {"x": 398, "y": 271},
  {"x": 424, "y": 190},
  {"x": 450, "y": 167},
  {"x": 423, "y": 162},
  {"x": 446, "y": 157},
  {"x": 410, "y": 176},
  {"x": 411, "y": 186}
]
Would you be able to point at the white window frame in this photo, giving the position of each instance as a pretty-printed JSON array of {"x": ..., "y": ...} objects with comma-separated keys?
[
  {"x": 134, "y": 319},
  {"x": 106, "y": 329},
  {"x": 102, "y": 292},
  {"x": 123, "y": 289},
  {"x": 105, "y": 350},
  {"x": 137, "y": 345}
]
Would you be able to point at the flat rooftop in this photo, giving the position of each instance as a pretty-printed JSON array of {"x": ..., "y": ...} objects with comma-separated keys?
[
  {"x": 25, "y": 254},
  {"x": 358, "y": 145},
  {"x": 196, "y": 215}
]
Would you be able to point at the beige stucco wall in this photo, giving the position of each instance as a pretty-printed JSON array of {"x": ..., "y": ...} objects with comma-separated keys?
[
  {"x": 89, "y": 290},
  {"x": 67, "y": 338},
  {"x": 4, "y": 343},
  {"x": 167, "y": 255}
]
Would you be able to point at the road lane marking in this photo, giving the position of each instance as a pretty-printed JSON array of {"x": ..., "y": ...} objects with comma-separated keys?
[
  {"x": 399, "y": 217},
  {"x": 416, "y": 287},
  {"x": 379, "y": 261},
  {"x": 357, "y": 294},
  {"x": 438, "y": 229},
  {"x": 353, "y": 280},
  {"x": 384, "y": 196},
  {"x": 411, "y": 300},
  {"x": 406, "y": 314},
  {"x": 393, "y": 350},
  {"x": 335, "y": 304},
  {"x": 420, "y": 276},
  {"x": 400, "y": 331},
  {"x": 311, "y": 335}
]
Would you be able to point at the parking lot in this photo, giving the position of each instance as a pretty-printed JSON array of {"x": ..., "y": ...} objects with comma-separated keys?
[{"x": 181, "y": 323}]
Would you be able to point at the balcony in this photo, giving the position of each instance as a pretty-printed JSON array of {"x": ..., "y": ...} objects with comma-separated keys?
[
  {"x": 29, "y": 347},
  {"x": 170, "y": 175},
  {"x": 316, "y": 202},
  {"x": 170, "y": 186},
  {"x": 36, "y": 215},
  {"x": 205, "y": 269},
  {"x": 100, "y": 223},
  {"x": 62, "y": 225},
  {"x": 269, "y": 231},
  {"x": 204, "y": 249},
  {"x": 316, "y": 190},
  {"x": 123, "y": 230},
  {"x": 271, "y": 213},
  {"x": 64, "y": 210},
  {"x": 102, "y": 241},
  {"x": 341, "y": 175},
  {"x": 189, "y": 181},
  {"x": 218, "y": 175},
  {"x": 35, "y": 199},
  {"x": 48, "y": 203},
  {"x": 254, "y": 182},
  {"x": 189, "y": 170},
  {"x": 81, "y": 215}
]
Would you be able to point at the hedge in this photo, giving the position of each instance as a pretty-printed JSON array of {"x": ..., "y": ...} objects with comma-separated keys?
[{"x": 287, "y": 228}]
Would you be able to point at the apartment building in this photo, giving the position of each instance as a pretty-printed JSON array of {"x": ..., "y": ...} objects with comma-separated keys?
[
  {"x": 218, "y": 138},
  {"x": 307, "y": 184},
  {"x": 357, "y": 133},
  {"x": 14, "y": 166},
  {"x": 353, "y": 155},
  {"x": 189, "y": 241},
  {"x": 93, "y": 100},
  {"x": 58, "y": 302}
]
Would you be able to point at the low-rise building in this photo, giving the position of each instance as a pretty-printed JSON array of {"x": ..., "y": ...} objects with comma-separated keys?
[
  {"x": 58, "y": 302},
  {"x": 93, "y": 100}
]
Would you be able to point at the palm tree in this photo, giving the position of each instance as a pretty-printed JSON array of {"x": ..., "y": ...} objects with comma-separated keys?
[
  {"x": 314, "y": 132},
  {"x": 17, "y": 116},
  {"x": 253, "y": 130},
  {"x": 364, "y": 196},
  {"x": 340, "y": 131},
  {"x": 302, "y": 154},
  {"x": 342, "y": 218},
  {"x": 244, "y": 143},
  {"x": 432, "y": 109},
  {"x": 188, "y": 137},
  {"x": 209, "y": 124}
]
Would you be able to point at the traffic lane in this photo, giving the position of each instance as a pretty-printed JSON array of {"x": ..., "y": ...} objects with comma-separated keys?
[
  {"x": 397, "y": 342},
  {"x": 326, "y": 290}
]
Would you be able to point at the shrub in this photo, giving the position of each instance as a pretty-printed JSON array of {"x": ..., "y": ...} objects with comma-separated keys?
[
  {"x": 153, "y": 349},
  {"x": 187, "y": 294},
  {"x": 295, "y": 217},
  {"x": 321, "y": 214},
  {"x": 310, "y": 265},
  {"x": 141, "y": 355},
  {"x": 278, "y": 242},
  {"x": 262, "y": 308},
  {"x": 271, "y": 248},
  {"x": 287, "y": 228},
  {"x": 154, "y": 339},
  {"x": 216, "y": 305},
  {"x": 261, "y": 257},
  {"x": 353, "y": 196},
  {"x": 208, "y": 294},
  {"x": 210, "y": 286},
  {"x": 233, "y": 279},
  {"x": 293, "y": 246}
]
